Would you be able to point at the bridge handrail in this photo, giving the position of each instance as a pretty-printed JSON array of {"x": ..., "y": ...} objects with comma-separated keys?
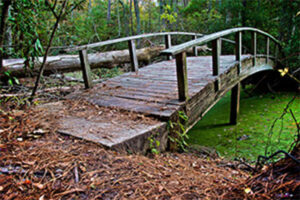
[
  {"x": 207, "y": 38},
  {"x": 86, "y": 71},
  {"x": 124, "y": 39},
  {"x": 179, "y": 52}
]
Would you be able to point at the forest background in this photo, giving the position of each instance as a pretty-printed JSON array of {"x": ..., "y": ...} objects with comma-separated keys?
[{"x": 26, "y": 25}]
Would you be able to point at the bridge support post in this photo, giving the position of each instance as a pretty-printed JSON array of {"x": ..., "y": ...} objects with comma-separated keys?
[
  {"x": 195, "y": 51},
  {"x": 133, "y": 56},
  {"x": 86, "y": 69},
  {"x": 168, "y": 43},
  {"x": 235, "y": 103},
  {"x": 182, "y": 81},
  {"x": 254, "y": 47},
  {"x": 238, "y": 50}
]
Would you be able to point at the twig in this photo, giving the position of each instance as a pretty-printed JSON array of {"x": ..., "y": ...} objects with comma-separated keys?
[
  {"x": 76, "y": 174},
  {"x": 266, "y": 158},
  {"x": 47, "y": 50}
]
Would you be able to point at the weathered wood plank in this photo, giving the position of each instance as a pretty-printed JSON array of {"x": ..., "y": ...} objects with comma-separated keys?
[
  {"x": 195, "y": 50},
  {"x": 182, "y": 82},
  {"x": 125, "y": 39},
  {"x": 133, "y": 56},
  {"x": 267, "y": 49},
  {"x": 254, "y": 46},
  {"x": 238, "y": 49},
  {"x": 216, "y": 53},
  {"x": 86, "y": 69},
  {"x": 207, "y": 38},
  {"x": 168, "y": 43},
  {"x": 235, "y": 104}
]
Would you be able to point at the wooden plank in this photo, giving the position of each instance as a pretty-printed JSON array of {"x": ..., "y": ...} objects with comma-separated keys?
[
  {"x": 182, "y": 82},
  {"x": 268, "y": 49},
  {"x": 195, "y": 51},
  {"x": 216, "y": 53},
  {"x": 207, "y": 38},
  {"x": 86, "y": 69},
  {"x": 168, "y": 43},
  {"x": 238, "y": 50},
  {"x": 254, "y": 46},
  {"x": 149, "y": 108},
  {"x": 133, "y": 56},
  {"x": 235, "y": 104},
  {"x": 125, "y": 39}
]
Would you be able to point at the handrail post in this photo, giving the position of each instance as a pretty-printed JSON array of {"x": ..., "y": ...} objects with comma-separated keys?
[
  {"x": 168, "y": 43},
  {"x": 86, "y": 69},
  {"x": 238, "y": 50},
  {"x": 181, "y": 70},
  {"x": 133, "y": 56},
  {"x": 195, "y": 51},
  {"x": 254, "y": 46},
  {"x": 268, "y": 49},
  {"x": 216, "y": 53}
]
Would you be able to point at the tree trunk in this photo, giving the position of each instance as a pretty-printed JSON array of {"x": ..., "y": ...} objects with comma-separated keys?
[
  {"x": 67, "y": 63},
  {"x": 137, "y": 15},
  {"x": 5, "y": 8},
  {"x": 119, "y": 22},
  {"x": 108, "y": 18},
  {"x": 131, "y": 18}
]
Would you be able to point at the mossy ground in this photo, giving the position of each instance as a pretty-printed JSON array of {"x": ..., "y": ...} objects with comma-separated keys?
[{"x": 249, "y": 137}]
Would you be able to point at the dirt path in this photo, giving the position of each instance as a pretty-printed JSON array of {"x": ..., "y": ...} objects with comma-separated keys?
[{"x": 47, "y": 165}]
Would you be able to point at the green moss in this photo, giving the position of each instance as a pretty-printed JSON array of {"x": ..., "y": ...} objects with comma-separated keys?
[{"x": 249, "y": 137}]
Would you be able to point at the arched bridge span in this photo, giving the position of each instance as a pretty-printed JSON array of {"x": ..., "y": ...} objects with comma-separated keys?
[{"x": 161, "y": 90}]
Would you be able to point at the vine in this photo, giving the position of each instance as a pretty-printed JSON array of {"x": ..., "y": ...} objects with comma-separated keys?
[{"x": 179, "y": 127}]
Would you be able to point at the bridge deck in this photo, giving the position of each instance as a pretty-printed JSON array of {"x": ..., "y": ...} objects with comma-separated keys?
[
  {"x": 154, "y": 89},
  {"x": 153, "y": 92}
]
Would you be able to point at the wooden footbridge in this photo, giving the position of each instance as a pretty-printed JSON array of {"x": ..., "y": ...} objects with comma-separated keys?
[{"x": 188, "y": 84}]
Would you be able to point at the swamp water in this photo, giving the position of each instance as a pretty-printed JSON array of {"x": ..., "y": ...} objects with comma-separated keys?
[{"x": 249, "y": 137}]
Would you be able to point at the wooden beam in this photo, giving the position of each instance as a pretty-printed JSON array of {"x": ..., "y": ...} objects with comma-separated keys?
[
  {"x": 238, "y": 50},
  {"x": 86, "y": 69},
  {"x": 235, "y": 104},
  {"x": 133, "y": 56},
  {"x": 254, "y": 46},
  {"x": 268, "y": 49},
  {"x": 207, "y": 38},
  {"x": 181, "y": 69},
  {"x": 168, "y": 43},
  {"x": 216, "y": 53},
  {"x": 125, "y": 39},
  {"x": 195, "y": 51}
]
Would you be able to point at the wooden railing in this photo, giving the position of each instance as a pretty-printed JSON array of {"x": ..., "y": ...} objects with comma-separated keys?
[
  {"x": 132, "y": 50},
  {"x": 179, "y": 52},
  {"x": 86, "y": 71}
]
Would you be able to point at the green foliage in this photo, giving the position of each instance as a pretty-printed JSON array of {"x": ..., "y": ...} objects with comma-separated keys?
[
  {"x": 154, "y": 144},
  {"x": 249, "y": 137},
  {"x": 179, "y": 128},
  {"x": 25, "y": 25},
  {"x": 169, "y": 16}
]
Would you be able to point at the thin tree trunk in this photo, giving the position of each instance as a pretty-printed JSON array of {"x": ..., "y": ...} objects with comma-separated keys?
[
  {"x": 131, "y": 17},
  {"x": 108, "y": 18},
  {"x": 119, "y": 22},
  {"x": 137, "y": 15},
  {"x": 5, "y": 8},
  {"x": 47, "y": 50},
  {"x": 90, "y": 5}
]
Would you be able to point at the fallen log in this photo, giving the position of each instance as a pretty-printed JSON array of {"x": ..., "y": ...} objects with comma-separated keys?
[{"x": 68, "y": 63}]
